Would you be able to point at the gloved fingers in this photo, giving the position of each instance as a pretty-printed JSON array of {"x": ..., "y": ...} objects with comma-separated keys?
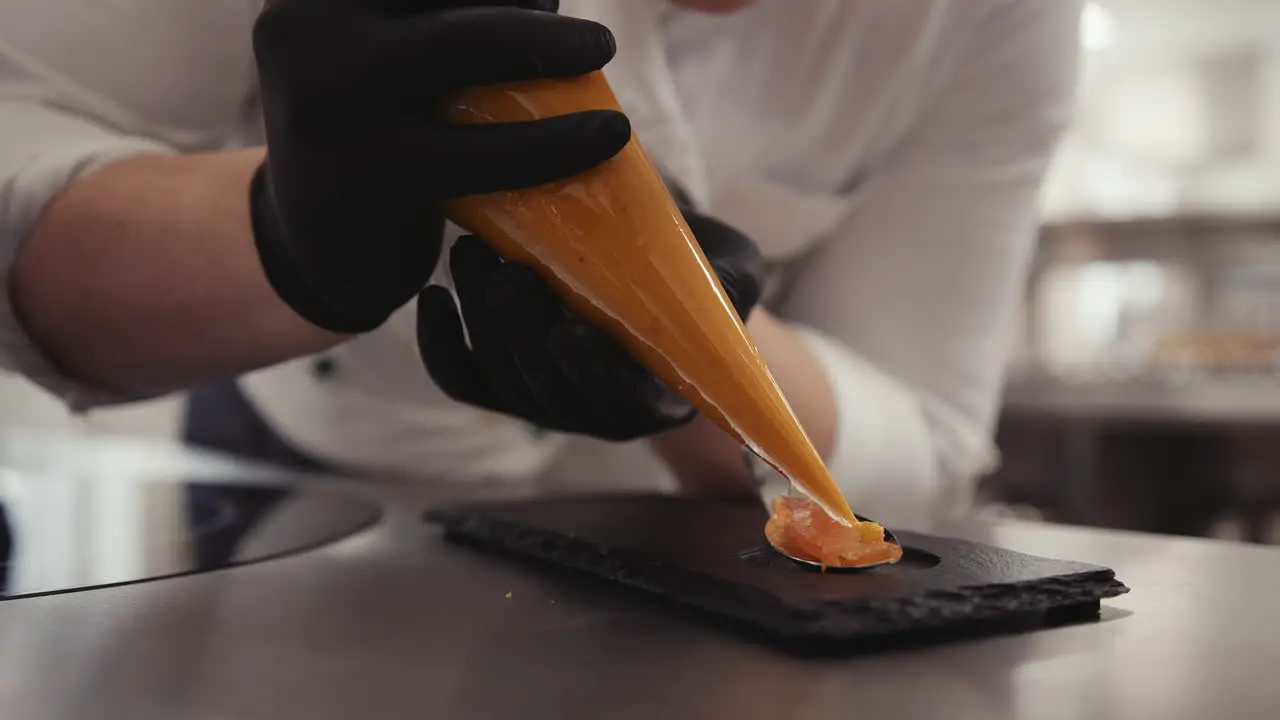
[
  {"x": 474, "y": 46},
  {"x": 737, "y": 260},
  {"x": 317, "y": 6},
  {"x": 471, "y": 263},
  {"x": 508, "y": 156},
  {"x": 530, "y": 313},
  {"x": 742, "y": 286},
  {"x": 445, "y": 355},
  {"x": 397, "y": 8},
  {"x": 474, "y": 265},
  {"x": 622, "y": 400}
]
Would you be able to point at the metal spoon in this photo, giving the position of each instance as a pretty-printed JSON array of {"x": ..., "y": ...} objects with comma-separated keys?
[{"x": 772, "y": 485}]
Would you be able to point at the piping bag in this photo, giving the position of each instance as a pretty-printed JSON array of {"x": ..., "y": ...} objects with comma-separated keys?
[{"x": 615, "y": 247}]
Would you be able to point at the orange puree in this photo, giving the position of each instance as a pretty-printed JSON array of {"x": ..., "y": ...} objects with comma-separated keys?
[
  {"x": 614, "y": 245},
  {"x": 800, "y": 528}
]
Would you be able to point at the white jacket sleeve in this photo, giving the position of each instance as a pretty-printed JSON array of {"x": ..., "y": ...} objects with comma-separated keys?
[
  {"x": 911, "y": 304},
  {"x": 48, "y": 140}
]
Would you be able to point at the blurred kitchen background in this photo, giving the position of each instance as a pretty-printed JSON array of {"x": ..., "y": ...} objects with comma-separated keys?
[{"x": 1143, "y": 392}]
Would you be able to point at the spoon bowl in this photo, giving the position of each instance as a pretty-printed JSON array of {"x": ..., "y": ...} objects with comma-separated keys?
[
  {"x": 889, "y": 537},
  {"x": 773, "y": 484}
]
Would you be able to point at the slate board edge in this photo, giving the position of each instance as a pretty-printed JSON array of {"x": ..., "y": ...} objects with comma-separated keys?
[{"x": 829, "y": 620}]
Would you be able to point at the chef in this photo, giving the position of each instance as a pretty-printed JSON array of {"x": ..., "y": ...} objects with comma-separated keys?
[{"x": 194, "y": 195}]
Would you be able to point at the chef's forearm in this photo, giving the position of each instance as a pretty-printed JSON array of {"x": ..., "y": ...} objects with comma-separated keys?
[
  {"x": 143, "y": 277},
  {"x": 706, "y": 459}
]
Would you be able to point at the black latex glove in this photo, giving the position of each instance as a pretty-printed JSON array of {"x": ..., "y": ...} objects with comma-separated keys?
[
  {"x": 531, "y": 358},
  {"x": 346, "y": 207}
]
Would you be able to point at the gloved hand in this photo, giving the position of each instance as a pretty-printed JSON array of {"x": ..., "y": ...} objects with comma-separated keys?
[
  {"x": 531, "y": 358},
  {"x": 346, "y": 207}
]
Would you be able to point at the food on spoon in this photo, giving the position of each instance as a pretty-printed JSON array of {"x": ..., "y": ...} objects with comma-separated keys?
[{"x": 802, "y": 529}]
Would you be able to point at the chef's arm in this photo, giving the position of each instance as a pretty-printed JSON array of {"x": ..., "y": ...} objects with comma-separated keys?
[
  {"x": 142, "y": 277},
  {"x": 909, "y": 309}
]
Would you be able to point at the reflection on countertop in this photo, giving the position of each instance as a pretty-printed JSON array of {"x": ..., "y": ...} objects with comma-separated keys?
[{"x": 78, "y": 513}]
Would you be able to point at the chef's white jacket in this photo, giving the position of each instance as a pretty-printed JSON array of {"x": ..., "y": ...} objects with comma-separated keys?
[{"x": 886, "y": 155}]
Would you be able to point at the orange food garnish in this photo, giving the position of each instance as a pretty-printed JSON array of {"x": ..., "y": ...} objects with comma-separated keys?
[{"x": 801, "y": 528}]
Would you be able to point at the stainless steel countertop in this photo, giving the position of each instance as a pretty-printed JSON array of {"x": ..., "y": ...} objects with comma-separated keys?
[{"x": 394, "y": 623}]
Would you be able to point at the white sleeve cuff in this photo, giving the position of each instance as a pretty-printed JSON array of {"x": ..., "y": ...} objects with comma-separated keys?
[
  {"x": 884, "y": 456},
  {"x": 62, "y": 149}
]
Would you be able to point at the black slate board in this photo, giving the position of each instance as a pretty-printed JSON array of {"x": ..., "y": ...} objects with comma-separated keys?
[{"x": 711, "y": 555}]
